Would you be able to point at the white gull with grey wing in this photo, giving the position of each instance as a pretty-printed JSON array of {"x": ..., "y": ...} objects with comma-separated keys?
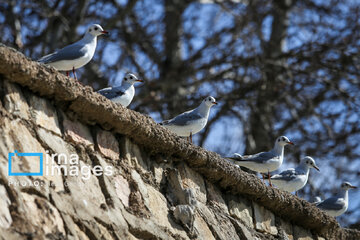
[
  {"x": 77, "y": 54},
  {"x": 263, "y": 162},
  {"x": 292, "y": 179},
  {"x": 124, "y": 93},
  {"x": 191, "y": 122},
  {"x": 335, "y": 206}
]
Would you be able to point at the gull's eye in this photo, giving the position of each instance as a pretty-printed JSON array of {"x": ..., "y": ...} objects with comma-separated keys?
[
  {"x": 279, "y": 140},
  {"x": 96, "y": 28},
  {"x": 131, "y": 77}
]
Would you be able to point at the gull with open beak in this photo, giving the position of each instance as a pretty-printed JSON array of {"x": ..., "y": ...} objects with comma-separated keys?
[
  {"x": 191, "y": 122},
  {"x": 124, "y": 93},
  {"x": 263, "y": 162},
  {"x": 76, "y": 55}
]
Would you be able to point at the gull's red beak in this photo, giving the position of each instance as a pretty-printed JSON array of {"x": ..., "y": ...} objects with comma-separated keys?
[
  {"x": 139, "y": 80},
  {"x": 105, "y": 32},
  {"x": 215, "y": 103},
  {"x": 353, "y": 187},
  {"x": 291, "y": 143}
]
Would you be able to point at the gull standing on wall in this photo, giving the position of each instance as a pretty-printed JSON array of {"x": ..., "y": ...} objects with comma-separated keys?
[
  {"x": 76, "y": 55},
  {"x": 190, "y": 122},
  {"x": 263, "y": 162},
  {"x": 124, "y": 93},
  {"x": 292, "y": 179},
  {"x": 335, "y": 206}
]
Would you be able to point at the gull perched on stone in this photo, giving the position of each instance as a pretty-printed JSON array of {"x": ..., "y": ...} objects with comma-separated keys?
[
  {"x": 76, "y": 55},
  {"x": 335, "y": 206},
  {"x": 124, "y": 93},
  {"x": 191, "y": 122},
  {"x": 292, "y": 179},
  {"x": 263, "y": 162}
]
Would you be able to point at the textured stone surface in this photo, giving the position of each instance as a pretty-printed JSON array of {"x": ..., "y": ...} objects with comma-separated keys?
[
  {"x": 77, "y": 132},
  {"x": 5, "y": 217},
  {"x": 43, "y": 214},
  {"x": 193, "y": 180},
  {"x": 91, "y": 209},
  {"x": 241, "y": 209},
  {"x": 14, "y": 100},
  {"x": 264, "y": 220},
  {"x": 122, "y": 189},
  {"x": 302, "y": 234},
  {"x": 107, "y": 144},
  {"x": 44, "y": 114}
]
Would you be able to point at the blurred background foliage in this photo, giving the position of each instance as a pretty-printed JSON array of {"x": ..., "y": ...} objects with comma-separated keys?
[{"x": 277, "y": 67}]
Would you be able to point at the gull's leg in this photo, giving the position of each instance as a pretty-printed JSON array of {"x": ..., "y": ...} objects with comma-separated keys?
[
  {"x": 269, "y": 179},
  {"x": 67, "y": 73},
  {"x": 191, "y": 137},
  {"x": 296, "y": 193},
  {"x": 74, "y": 73},
  {"x": 263, "y": 177}
]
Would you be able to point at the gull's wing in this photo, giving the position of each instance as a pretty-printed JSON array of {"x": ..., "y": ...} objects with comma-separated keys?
[
  {"x": 183, "y": 119},
  {"x": 71, "y": 52},
  {"x": 332, "y": 203},
  {"x": 111, "y": 92},
  {"x": 258, "y": 158},
  {"x": 287, "y": 175}
]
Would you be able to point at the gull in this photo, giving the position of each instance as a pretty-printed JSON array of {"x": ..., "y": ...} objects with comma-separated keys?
[
  {"x": 292, "y": 180},
  {"x": 124, "y": 93},
  {"x": 76, "y": 55},
  {"x": 263, "y": 162},
  {"x": 317, "y": 200},
  {"x": 190, "y": 122},
  {"x": 335, "y": 206}
]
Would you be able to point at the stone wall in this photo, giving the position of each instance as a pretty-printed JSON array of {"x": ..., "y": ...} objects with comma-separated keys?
[{"x": 162, "y": 187}]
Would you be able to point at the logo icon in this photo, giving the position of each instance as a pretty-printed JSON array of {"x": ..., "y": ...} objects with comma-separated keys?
[{"x": 16, "y": 153}]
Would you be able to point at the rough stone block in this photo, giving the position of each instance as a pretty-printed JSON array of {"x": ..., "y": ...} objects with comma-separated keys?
[
  {"x": 134, "y": 156},
  {"x": 14, "y": 100},
  {"x": 202, "y": 229},
  {"x": 77, "y": 133},
  {"x": 5, "y": 217},
  {"x": 240, "y": 208},
  {"x": 44, "y": 114},
  {"x": 193, "y": 180},
  {"x": 43, "y": 213},
  {"x": 122, "y": 189},
  {"x": 107, "y": 144},
  {"x": 264, "y": 220},
  {"x": 221, "y": 226},
  {"x": 214, "y": 195},
  {"x": 301, "y": 233},
  {"x": 286, "y": 229}
]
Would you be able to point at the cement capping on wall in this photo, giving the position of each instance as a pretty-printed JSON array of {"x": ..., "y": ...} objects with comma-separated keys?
[{"x": 92, "y": 108}]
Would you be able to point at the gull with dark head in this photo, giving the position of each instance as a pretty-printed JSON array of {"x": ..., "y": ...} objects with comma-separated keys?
[
  {"x": 263, "y": 162},
  {"x": 76, "y": 55},
  {"x": 191, "y": 122}
]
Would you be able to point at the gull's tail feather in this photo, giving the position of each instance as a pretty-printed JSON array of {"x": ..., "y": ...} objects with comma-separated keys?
[{"x": 236, "y": 157}]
